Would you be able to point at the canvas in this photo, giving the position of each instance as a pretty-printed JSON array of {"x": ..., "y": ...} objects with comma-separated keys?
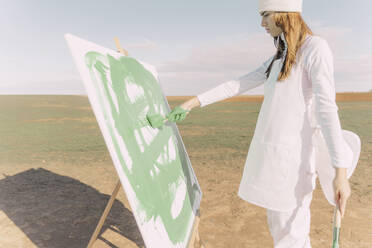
[{"x": 152, "y": 164}]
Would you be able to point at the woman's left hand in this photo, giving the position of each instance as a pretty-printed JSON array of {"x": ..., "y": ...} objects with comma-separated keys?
[{"x": 342, "y": 192}]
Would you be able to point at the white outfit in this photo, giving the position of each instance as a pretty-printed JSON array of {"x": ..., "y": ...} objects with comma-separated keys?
[
  {"x": 279, "y": 172},
  {"x": 291, "y": 228}
]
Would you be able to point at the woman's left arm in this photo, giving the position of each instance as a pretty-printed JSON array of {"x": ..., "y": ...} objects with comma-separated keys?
[{"x": 320, "y": 69}]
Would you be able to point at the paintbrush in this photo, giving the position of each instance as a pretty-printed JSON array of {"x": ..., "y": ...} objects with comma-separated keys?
[
  {"x": 336, "y": 227},
  {"x": 156, "y": 120}
]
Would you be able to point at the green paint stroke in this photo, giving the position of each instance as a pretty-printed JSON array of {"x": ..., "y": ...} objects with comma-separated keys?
[{"x": 153, "y": 182}]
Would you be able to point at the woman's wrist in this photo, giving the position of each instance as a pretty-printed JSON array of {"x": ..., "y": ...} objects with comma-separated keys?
[
  {"x": 341, "y": 173},
  {"x": 190, "y": 104}
]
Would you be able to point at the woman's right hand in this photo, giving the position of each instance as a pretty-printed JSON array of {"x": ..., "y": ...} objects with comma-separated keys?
[
  {"x": 180, "y": 112},
  {"x": 177, "y": 114}
]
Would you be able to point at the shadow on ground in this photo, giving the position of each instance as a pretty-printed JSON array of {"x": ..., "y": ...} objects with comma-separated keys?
[{"x": 58, "y": 211}]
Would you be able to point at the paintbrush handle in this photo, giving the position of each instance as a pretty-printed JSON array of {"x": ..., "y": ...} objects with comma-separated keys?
[
  {"x": 336, "y": 227},
  {"x": 337, "y": 217}
]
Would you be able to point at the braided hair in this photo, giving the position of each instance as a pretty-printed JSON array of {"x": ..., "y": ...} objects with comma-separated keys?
[{"x": 280, "y": 52}]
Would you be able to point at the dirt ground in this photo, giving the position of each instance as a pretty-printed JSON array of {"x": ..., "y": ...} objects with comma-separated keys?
[{"x": 52, "y": 196}]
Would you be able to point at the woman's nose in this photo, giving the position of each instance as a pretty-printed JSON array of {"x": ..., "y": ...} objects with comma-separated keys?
[{"x": 262, "y": 23}]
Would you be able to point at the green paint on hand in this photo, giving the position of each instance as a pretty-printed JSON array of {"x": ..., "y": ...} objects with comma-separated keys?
[
  {"x": 152, "y": 159},
  {"x": 178, "y": 114}
]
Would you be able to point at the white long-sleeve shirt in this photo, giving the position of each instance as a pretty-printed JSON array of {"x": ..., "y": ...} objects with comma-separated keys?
[{"x": 318, "y": 90}]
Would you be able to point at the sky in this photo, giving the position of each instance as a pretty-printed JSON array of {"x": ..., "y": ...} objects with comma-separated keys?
[{"x": 194, "y": 45}]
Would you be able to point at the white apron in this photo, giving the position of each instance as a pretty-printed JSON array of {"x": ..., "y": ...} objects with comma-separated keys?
[
  {"x": 287, "y": 150},
  {"x": 272, "y": 171}
]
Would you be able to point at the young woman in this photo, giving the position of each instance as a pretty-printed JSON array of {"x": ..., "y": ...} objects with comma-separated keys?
[{"x": 299, "y": 96}]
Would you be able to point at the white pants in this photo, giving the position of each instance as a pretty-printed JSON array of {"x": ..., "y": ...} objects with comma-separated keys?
[{"x": 291, "y": 229}]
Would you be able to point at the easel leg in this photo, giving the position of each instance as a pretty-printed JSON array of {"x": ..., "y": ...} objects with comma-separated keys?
[
  {"x": 104, "y": 215},
  {"x": 198, "y": 240},
  {"x": 195, "y": 234}
]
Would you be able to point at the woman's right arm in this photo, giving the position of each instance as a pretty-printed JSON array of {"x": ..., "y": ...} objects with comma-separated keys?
[
  {"x": 233, "y": 87},
  {"x": 190, "y": 104},
  {"x": 223, "y": 91}
]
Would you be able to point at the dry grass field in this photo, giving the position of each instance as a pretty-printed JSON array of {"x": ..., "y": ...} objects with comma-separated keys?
[{"x": 56, "y": 176}]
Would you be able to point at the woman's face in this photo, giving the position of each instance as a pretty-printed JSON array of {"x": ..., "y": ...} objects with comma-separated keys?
[{"x": 269, "y": 24}]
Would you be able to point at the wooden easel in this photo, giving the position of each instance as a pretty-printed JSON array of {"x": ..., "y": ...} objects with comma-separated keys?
[
  {"x": 104, "y": 215},
  {"x": 195, "y": 229},
  {"x": 195, "y": 234}
]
